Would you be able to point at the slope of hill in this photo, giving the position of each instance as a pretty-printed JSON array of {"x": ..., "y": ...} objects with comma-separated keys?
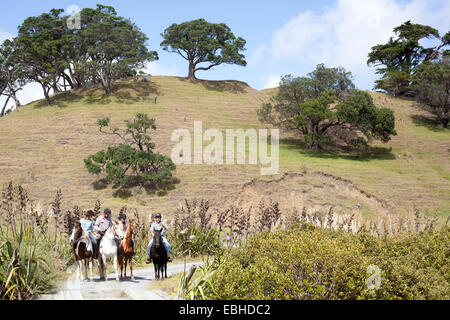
[{"x": 43, "y": 147}]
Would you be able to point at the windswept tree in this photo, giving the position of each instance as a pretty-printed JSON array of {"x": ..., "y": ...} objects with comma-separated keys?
[
  {"x": 12, "y": 75},
  {"x": 204, "y": 45},
  {"x": 323, "y": 100},
  {"x": 105, "y": 48},
  {"x": 133, "y": 161},
  {"x": 431, "y": 83},
  {"x": 397, "y": 58},
  {"x": 38, "y": 42},
  {"x": 116, "y": 47}
]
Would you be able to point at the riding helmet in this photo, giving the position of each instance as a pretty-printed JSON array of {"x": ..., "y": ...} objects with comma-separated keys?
[
  {"x": 158, "y": 215},
  {"x": 107, "y": 210},
  {"x": 122, "y": 216}
]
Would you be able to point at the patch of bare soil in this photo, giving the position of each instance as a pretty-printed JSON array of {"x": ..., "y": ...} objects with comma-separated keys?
[{"x": 315, "y": 191}]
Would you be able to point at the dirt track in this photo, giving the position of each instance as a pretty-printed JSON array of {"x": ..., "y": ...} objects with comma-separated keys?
[{"x": 74, "y": 289}]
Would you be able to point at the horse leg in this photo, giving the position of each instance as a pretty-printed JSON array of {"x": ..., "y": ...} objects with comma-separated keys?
[
  {"x": 116, "y": 267},
  {"x": 99, "y": 263},
  {"x": 131, "y": 267},
  {"x": 79, "y": 270},
  {"x": 104, "y": 269},
  {"x": 85, "y": 262},
  {"x": 121, "y": 266},
  {"x": 125, "y": 268},
  {"x": 156, "y": 270},
  {"x": 91, "y": 276},
  {"x": 165, "y": 268}
]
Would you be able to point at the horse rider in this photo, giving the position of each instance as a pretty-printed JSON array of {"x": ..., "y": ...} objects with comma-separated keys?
[
  {"x": 88, "y": 226},
  {"x": 162, "y": 227},
  {"x": 103, "y": 222},
  {"x": 122, "y": 229}
]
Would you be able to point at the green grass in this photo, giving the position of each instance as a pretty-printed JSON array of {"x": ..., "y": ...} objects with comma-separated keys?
[{"x": 169, "y": 285}]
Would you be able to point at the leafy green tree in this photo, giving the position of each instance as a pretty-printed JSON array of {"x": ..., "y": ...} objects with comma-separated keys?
[
  {"x": 324, "y": 99},
  {"x": 199, "y": 41},
  {"x": 116, "y": 47},
  {"x": 39, "y": 41},
  {"x": 431, "y": 83},
  {"x": 398, "y": 57},
  {"x": 133, "y": 160},
  {"x": 106, "y": 47},
  {"x": 12, "y": 75}
]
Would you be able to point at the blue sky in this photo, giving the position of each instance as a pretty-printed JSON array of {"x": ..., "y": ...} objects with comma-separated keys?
[{"x": 284, "y": 36}]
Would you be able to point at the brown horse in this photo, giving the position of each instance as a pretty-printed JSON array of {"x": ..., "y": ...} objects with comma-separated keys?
[
  {"x": 83, "y": 251},
  {"x": 126, "y": 250}
]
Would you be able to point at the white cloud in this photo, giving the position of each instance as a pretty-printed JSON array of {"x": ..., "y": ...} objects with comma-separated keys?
[
  {"x": 157, "y": 69},
  {"x": 342, "y": 35},
  {"x": 5, "y": 35},
  {"x": 272, "y": 81},
  {"x": 31, "y": 92},
  {"x": 257, "y": 55}
]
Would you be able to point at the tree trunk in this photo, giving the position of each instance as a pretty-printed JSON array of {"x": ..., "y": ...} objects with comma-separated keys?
[
  {"x": 46, "y": 91},
  {"x": 107, "y": 83},
  {"x": 16, "y": 101},
  {"x": 13, "y": 95},
  {"x": 4, "y": 107},
  {"x": 443, "y": 123},
  {"x": 191, "y": 75}
]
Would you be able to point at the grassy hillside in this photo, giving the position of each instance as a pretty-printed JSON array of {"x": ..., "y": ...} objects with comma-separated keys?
[{"x": 43, "y": 147}]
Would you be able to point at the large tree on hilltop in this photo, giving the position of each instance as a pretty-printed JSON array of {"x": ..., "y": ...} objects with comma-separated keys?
[
  {"x": 12, "y": 75},
  {"x": 398, "y": 57},
  {"x": 116, "y": 47},
  {"x": 431, "y": 83},
  {"x": 199, "y": 41},
  {"x": 39, "y": 42},
  {"x": 323, "y": 100},
  {"x": 105, "y": 48}
]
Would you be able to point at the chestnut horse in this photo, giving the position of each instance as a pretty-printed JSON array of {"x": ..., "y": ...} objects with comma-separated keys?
[
  {"x": 83, "y": 251},
  {"x": 126, "y": 250}
]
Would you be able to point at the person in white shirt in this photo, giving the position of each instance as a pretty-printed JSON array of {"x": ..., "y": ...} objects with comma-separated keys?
[{"x": 162, "y": 227}]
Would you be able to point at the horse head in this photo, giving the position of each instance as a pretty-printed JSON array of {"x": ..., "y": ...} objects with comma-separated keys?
[
  {"x": 157, "y": 238},
  {"x": 76, "y": 232},
  {"x": 133, "y": 225},
  {"x": 112, "y": 231}
]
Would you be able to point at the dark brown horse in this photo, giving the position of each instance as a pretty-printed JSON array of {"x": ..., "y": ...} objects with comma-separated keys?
[
  {"x": 83, "y": 250},
  {"x": 158, "y": 254},
  {"x": 126, "y": 250}
]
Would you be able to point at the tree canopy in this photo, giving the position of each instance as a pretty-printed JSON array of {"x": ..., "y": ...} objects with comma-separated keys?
[
  {"x": 326, "y": 98},
  {"x": 104, "y": 48},
  {"x": 12, "y": 75},
  {"x": 431, "y": 83},
  {"x": 199, "y": 41},
  {"x": 134, "y": 154},
  {"x": 397, "y": 58},
  {"x": 115, "y": 47}
]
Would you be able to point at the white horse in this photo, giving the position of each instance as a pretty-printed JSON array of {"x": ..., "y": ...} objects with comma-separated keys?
[
  {"x": 83, "y": 251},
  {"x": 108, "y": 249}
]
